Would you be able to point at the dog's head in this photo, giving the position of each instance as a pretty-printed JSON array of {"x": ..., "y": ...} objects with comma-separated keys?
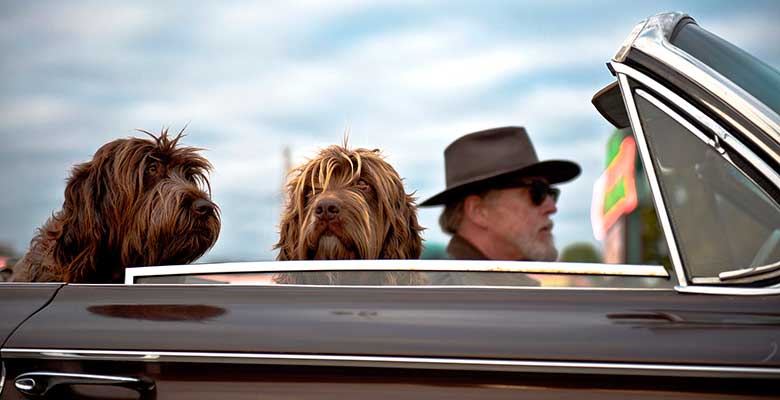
[
  {"x": 137, "y": 202},
  {"x": 348, "y": 204}
]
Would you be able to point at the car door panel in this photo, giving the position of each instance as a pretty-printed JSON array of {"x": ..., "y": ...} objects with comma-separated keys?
[
  {"x": 352, "y": 342},
  {"x": 21, "y": 301},
  {"x": 537, "y": 324}
]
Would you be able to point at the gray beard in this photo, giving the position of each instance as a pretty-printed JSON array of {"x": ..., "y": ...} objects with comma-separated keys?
[{"x": 541, "y": 253}]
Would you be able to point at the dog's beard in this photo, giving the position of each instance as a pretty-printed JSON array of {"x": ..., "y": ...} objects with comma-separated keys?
[
  {"x": 352, "y": 235},
  {"x": 329, "y": 247},
  {"x": 173, "y": 233}
]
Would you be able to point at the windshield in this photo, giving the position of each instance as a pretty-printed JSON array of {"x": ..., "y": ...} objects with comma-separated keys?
[{"x": 756, "y": 77}]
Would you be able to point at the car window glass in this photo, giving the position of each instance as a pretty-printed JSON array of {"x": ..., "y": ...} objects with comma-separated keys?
[
  {"x": 748, "y": 72},
  {"x": 721, "y": 219}
]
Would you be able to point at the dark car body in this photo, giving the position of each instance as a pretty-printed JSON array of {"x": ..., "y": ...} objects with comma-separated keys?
[{"x": 708, "y": 328}]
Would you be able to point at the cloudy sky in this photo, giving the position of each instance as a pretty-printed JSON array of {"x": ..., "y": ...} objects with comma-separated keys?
[{"x": 250, "y": 78}]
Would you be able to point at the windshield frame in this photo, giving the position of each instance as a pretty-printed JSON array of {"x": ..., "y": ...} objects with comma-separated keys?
[
  {"x": 624, "y": 73},
  {"x": 653, "y": 41}
]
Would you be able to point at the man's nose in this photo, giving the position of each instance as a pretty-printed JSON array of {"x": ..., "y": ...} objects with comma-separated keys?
[{"x": 549, "y": 205}]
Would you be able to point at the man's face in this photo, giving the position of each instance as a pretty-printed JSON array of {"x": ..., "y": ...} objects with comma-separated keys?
[{"x": 520, "y": 224}]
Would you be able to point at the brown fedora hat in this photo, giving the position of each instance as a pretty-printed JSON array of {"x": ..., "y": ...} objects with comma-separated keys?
[{"x": 495, "y": 158}]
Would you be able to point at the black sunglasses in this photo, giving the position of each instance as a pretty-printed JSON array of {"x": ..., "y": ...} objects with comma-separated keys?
[{"x": 540, "y": 190}]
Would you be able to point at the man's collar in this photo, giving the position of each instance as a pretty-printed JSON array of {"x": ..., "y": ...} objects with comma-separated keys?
[{"x": 460, "y": 248}]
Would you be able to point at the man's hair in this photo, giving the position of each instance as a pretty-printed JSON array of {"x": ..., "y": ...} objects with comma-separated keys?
[{"x": 452, "y": 216}]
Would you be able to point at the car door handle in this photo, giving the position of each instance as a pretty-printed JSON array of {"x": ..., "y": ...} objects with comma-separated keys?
[{"x": 38, "y": 384}]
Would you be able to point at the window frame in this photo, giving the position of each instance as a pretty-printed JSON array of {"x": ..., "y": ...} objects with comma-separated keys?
[{"x": 691, "y": 118}]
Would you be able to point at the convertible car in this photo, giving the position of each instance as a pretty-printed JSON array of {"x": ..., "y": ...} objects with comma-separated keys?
[{"x": 706, "y": 121}]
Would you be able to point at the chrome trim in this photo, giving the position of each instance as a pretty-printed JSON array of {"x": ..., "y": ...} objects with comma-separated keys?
[
  {"x": 622, "y": 52},
  {"x": 736, "y": 281},
  {"x": 402, "y": 362},
  {"x": 2, "y": 377},
  {"x": 749, "y": 272},
  {"x": 401, "y": 265},
  {"x": 396, "y": 287},
  {"x": 658, "y": 26},
  {"x": 722, "y": 134},
  {"x": 108, "y": 378},
  {"x": 24, "y": 384},
  {"x": 653, "y": 41},
  {"x": 703, "y": 280},
  {"x": 40, "y": 384},
  {"x": 732, "y": 291},
  {"x": 660, "y": 207}
]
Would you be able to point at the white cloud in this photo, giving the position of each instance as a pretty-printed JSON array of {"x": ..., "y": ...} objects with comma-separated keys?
[
  {"x": 466, "y": 72},
  {"x": 34, "y": 109},
  {"x": 245, "y": 18},
  {"x": 86, "y": 21}
]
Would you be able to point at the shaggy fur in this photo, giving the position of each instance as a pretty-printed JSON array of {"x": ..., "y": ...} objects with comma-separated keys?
[
  {"x": 138, "y": 202},
  {"x": 348, "y": 204}
]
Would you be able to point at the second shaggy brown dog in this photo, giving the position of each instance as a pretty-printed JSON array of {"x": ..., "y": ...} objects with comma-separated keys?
[
  {"x": 348, "y": 204},
  {"x": 137, "y": 202}
]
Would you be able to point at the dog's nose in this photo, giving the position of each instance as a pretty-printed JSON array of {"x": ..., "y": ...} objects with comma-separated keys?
[
  {"x": 327, "y": 209},
  {"x": 202, "y": 206}
]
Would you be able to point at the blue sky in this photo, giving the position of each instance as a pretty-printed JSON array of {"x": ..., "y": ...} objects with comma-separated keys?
[{"x": 250, "y": 78}]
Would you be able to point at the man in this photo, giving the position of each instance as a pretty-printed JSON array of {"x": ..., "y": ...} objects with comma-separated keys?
[{"x": 498, "y": 202}]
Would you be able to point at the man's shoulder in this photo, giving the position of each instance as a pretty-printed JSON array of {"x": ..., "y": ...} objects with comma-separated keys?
[{"x": 460, "y": 248}]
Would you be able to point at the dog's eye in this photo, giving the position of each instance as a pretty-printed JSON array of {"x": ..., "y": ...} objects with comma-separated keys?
[
  {"x": 363, "y": 185},
  {"x": 151, "y": 169}
]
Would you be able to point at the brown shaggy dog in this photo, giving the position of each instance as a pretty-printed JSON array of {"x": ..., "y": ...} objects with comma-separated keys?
[
  {"x": 347, "y": 204},
  {"x": 138, "y": 202}
]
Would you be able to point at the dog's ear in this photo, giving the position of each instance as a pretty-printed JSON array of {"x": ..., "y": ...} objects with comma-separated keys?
[
  {"x": 404, "y": 239},
  {"x": 289, "y": 244},
  {"x": 414, "y": 246},
  {"x": 289, "y": 232},
  {"x": 78, "y": 240}
]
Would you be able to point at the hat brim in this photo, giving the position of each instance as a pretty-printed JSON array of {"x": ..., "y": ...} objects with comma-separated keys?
[{"x": 555, "y": 171}]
